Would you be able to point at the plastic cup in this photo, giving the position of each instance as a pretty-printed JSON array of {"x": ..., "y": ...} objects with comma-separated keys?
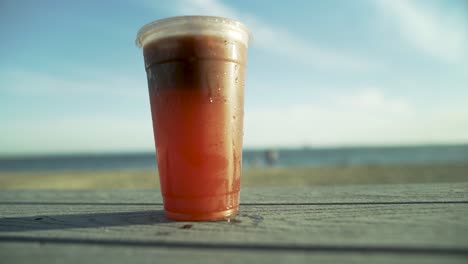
[{"x": 195, "y": 67}]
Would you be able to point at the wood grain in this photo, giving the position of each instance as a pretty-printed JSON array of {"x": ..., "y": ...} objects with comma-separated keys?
[{"x": 377, "y": 223}]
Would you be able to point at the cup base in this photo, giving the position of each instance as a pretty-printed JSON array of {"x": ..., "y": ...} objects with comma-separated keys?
[
  {"x": 205, "y": 208},
  {"x": 212, "y": 216}
]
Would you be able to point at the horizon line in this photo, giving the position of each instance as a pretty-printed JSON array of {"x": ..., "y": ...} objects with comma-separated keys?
[{"x": 295, "y": 147}]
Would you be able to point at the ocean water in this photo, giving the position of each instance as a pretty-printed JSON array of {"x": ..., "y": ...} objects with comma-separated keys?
[{"x": 305, "y": 157}]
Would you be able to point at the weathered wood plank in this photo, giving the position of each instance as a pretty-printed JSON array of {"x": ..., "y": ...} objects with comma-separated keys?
[
  {"x": 321, "y": 194},
  {"x": 373, "y": 222},
  {"x": 430, "y": 225},
  {"x": 52, "y": 253}
]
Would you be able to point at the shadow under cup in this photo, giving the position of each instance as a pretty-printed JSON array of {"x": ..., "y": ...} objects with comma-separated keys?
[{"x": 195, "y": 68}]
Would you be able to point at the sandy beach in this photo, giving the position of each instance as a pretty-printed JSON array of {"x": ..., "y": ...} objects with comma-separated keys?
[{"x": 298, "y": 176}]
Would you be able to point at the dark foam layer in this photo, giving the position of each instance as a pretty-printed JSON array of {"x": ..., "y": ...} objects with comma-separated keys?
[{"x": 195, "y": 62}]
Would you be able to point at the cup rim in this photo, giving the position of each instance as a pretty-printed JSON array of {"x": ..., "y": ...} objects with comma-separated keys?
[{"x": 192, "y": 25}]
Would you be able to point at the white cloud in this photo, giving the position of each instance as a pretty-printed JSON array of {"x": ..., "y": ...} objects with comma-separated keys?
[
  {"x": 441, "y": 36},
  {"x": 29, "y": 129},
  {"x": 365, "y": 118},
  {"x": 281, "y": 41},
  {"x": 368, "y": 117},
  {"x": 206, "y": 7},
  {"x": 30, "y": 83},
  {"x": 276, "y": 39},
  {"x": 67, "y": 134},
  {"x": 373, "y": 99}
]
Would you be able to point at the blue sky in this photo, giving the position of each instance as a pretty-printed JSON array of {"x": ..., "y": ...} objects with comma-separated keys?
[{"x": 320, "y": 73}]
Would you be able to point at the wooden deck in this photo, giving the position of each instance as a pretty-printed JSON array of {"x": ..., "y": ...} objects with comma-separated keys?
[{"x": 416, "y": 223}]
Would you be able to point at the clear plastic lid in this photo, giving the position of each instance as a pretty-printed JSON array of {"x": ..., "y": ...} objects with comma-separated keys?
[{"x": 193, "y": 25}]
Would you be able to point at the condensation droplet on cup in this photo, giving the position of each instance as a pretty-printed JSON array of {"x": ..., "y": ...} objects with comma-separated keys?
[
  {"x": 211, "y": 100},
  {"x": 218, "y": 92}
]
